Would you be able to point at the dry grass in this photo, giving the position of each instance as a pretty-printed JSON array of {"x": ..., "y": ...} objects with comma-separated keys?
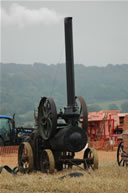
[{"x": 109, "y": 178}]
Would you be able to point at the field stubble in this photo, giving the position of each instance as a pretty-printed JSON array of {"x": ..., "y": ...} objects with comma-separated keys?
[{"x": 109, "y": 178}]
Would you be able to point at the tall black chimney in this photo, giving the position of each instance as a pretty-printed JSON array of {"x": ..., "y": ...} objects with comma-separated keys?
[{"x": 69, "y": 62}]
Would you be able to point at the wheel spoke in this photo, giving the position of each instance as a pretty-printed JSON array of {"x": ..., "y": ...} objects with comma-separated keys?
[
  {"x": 49, "y": 122},
  {"x": 120, "y": 161},
  {"x": 49, "y": 113},
  {"x": 46, "y": 132},
  {"x": 48, "y": 127}
]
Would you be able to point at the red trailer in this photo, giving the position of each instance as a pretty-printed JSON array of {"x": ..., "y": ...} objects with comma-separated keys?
[{"x": 101, "y": 128}]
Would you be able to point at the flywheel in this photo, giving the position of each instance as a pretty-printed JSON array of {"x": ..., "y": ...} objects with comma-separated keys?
[
  {"x": 83, "y": 118},
  {"x": 47, "y": 117}
]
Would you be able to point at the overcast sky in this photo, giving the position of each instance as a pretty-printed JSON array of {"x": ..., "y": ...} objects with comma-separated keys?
[{"x": 34, "y": 32}]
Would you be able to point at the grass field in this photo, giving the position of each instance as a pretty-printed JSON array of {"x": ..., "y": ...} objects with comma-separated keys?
[{"x": 109, "y": 178}]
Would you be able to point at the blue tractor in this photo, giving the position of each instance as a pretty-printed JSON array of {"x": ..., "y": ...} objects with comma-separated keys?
[{"x": 9, "y": 134}]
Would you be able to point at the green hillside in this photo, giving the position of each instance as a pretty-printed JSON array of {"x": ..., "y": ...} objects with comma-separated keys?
[{"x": 22, "y": 86}]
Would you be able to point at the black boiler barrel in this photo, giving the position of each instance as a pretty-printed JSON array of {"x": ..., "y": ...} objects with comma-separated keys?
[
  {"x": 69, "y": 62},
  {"x": 70, "y": 138}
]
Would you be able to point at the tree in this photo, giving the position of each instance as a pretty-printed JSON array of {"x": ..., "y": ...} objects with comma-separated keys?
[
  {"x": 113, "y": 107},
  {"x": 124, "y": 107},
  {"x": 94, "y": 108}
]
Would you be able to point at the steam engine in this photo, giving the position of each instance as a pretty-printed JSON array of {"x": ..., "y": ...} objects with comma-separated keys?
[{"x": 59, "y": 135}]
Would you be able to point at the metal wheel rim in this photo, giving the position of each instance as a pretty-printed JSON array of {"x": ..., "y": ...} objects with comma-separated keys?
[
  {"x": 95, "y": 159},
  {"x": 120, "y": 150},
  {"x": 47, "y": 162},
  {"x": 25, "y": 157},
  {"x": 47, "y": 117}
]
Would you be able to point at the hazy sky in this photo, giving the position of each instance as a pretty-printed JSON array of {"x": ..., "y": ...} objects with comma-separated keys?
[{"x": 34, "y": 32}]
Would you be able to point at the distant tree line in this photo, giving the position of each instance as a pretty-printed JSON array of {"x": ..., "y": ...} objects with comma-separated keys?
[
  {"x": 95, "y": 107},
  {"x": 22, "y": 86}
]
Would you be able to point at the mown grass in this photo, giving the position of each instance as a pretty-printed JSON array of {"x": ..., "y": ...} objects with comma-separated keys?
[{"x": 108, "y": 178}]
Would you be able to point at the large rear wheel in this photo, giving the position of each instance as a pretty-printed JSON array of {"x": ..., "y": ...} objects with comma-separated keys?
[{"x": 25, "y": 157}]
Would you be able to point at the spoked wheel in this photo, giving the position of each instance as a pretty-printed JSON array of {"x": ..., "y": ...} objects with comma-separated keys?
[
  {"x": 25, "y": 157},
  {"x": 120, "y": 152},
  {"x": 91, "y": 159},
  {"x": 47, "y": 163},
  {"x": 83, "y": 119},
  {"x": 47, "y": 117}
]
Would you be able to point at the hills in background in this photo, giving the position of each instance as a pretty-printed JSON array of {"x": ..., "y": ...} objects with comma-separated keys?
[{"x": 22, "y": 87}]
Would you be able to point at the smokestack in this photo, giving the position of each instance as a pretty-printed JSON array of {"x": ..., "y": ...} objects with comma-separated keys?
[{"x": 69, "y": 62}]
